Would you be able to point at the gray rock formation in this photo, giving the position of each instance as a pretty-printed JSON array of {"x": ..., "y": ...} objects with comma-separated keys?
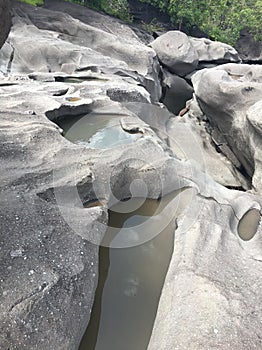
[
  {"x": 5, "y": 20},
  {"x": 176, "y": 52},
  {"x": 214, "y": 51},
  {"x": 57, "y": 70},
  {"x": 189, "y": 139},
  {"x": 229, "y": 96},
  {"x": 57, "y": 46}
]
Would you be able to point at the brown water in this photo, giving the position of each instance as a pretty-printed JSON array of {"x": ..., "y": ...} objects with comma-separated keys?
[
  {"x": 248, "y": 224},
  {"x": 131, "y": 279}
]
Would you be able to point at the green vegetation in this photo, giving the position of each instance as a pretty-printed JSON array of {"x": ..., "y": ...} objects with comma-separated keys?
[
  {"x": 34, "y": 2},
  {"x": 220, "y": 19},
  {"x": 153, "y": 26}
]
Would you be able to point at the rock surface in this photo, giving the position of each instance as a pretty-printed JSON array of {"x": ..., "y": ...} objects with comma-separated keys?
[
  {"x": 176, "y": 52},
  {"x": 5, "y": 20},
  {"x": 214, "y": 51},
  {"x": 189, "y": 139},
  {"x": 60, "y": 66},
  {"x": 229, "y": 95}
]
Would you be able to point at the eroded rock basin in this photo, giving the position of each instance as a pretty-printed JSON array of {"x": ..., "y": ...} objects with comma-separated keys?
[
  {"x": 96, "y": 130},
  {"x": 131, "y": 274}
]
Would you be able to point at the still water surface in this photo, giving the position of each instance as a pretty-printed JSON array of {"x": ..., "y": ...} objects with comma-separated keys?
[
  {"x": 130, "y": 281},
  {"x": 96, "y": 130}
]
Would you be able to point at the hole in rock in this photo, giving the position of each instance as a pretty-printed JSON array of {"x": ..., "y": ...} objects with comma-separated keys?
[
  {"x": 248, "y": 224},
  {"x": 61, "y": 92},
  {"x": 96, "y": 130},
  {"x": 133, "y": 261},
  {"x": 236, "y": 188},
  {"x": 78, "y": 80}
]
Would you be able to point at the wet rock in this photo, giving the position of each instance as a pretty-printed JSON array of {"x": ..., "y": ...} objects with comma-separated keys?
[
  {"x": 175, "y": 51},
  {"x": 132, "y": 125}
]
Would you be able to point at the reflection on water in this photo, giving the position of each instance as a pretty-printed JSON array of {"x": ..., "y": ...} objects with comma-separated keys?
[
  {"x": 96, "y": 130},
  {"x": 130, "y": 281},
  {"x": 248, "y": 224}
]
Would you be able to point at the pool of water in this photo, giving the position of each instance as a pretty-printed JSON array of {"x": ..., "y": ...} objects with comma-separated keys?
[
  {"x": 96, "y": 130},
  {"x": 248, "y": 224},
  {"x": 131, "y": 278}
]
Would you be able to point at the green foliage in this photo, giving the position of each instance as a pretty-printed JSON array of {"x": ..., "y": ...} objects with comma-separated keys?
[
  {"x": 153, "y": 26},
  {"x": 220, "y": 19},
  {"x": 33, "y": 2},
  {"x": 118, "y": 8}
]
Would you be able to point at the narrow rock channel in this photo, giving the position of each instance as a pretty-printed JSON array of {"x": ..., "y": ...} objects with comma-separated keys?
[{"x": 130, "y": 186}]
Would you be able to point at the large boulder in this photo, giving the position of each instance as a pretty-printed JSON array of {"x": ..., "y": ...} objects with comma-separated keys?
[
  {"x": 229, "y": 96},
  {"x": 214, "y": 51},
  {"x": 175, "y": 51},
  {"x": 5, "y": 20}
]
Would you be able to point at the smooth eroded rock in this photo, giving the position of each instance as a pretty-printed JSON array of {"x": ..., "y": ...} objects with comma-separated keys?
[
  {"x": 230, "y": 96},
  {"x": 214, "y": 51},
  {"x": 176, "y": 52}
]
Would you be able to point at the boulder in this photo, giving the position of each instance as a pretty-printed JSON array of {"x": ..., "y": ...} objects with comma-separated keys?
[
  {"x": 5, "y": 20},
  {"x": 175, "y": 51},
  {"x": 228, "y": 95},
  {"x": 214, "y": 51}
]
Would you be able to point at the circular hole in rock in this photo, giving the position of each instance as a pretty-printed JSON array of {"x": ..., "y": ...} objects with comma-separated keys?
[{"x": 248, "y": 224}]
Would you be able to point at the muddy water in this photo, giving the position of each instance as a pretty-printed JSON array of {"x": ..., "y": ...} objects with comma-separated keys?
[
  {"x": 96, "y": 130},
  {"x": 130, "y": 279}
]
